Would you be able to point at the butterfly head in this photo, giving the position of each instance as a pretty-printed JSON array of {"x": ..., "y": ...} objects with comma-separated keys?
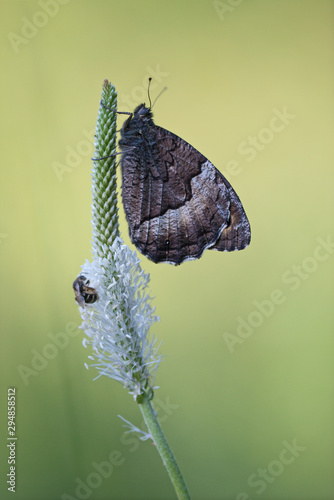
[
  {"x": 139, "y": 120},
  {"x": 143, "y": 113}
]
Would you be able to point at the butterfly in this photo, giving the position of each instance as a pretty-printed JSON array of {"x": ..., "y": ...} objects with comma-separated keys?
[{"x": 176, "y": 202}]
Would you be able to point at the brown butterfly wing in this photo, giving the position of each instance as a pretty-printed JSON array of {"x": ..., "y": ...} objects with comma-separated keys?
[
  {"x": 176, "y": 202},
  {"x": 237, "y": 234}
]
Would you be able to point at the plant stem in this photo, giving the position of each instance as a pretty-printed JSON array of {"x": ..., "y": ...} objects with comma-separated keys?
[{"x": 163, "y": 448}]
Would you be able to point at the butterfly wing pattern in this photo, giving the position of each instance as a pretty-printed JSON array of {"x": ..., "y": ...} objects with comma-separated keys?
[{"x": 176, "y": 202}]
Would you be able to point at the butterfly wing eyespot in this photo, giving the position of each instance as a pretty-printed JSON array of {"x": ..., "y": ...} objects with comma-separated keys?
[
  {"x": 237, "y": 234},
  {"x": 176, "y": 202}
]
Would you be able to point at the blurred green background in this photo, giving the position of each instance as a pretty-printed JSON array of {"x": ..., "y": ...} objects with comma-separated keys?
[{"x": 246, "y": 386}]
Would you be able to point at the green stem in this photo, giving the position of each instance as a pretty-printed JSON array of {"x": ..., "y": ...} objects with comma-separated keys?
[{"x": 163, "y": 448}]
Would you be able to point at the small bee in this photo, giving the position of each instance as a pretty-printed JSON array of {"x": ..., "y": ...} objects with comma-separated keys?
[{"x": 84, "y": 294}]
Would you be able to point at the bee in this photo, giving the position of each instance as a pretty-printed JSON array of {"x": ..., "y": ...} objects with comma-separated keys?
[{"x": 84, "y": 294}]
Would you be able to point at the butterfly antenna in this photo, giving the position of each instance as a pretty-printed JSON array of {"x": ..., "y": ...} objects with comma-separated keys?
[
  {"x": 148, "y": 91},
  {"x": 155, "y": 100}
]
